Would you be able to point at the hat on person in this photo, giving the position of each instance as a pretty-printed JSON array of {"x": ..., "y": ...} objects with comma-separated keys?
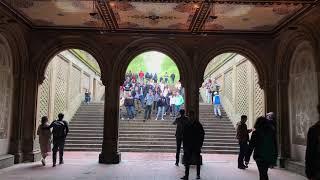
[{"x": 215, "y": 93}]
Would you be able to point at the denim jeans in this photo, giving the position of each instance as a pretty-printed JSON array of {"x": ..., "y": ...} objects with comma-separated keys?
[
  {"x": 147, "y": 111},
  {"x": 130, "y": 112},
  {"x": 160, "y": 111},
  {"x": 217, "y": 110}
]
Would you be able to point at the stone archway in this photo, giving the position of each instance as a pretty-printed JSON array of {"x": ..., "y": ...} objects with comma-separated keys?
[
  {"x": 239, "y": 86},
  {"x": 6, "y": 89},
  {"x": 303, "y": 97}
]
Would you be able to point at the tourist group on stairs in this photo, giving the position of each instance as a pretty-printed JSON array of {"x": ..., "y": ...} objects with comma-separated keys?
[{"x": 142, "y": 91}]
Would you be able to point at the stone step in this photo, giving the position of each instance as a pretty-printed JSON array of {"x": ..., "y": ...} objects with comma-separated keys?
[
  {"x": 153, "y": 146},
  {"x": 151, "y": 132},
  {"x": 148, "y": 142},
  {"x": 100, "y": 135},
  {"x": 137, "y": 128},
  {"x": 164, "y": 139}
]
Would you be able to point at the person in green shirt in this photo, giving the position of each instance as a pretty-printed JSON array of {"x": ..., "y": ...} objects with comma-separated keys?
[{"x": 178, "y": 102}]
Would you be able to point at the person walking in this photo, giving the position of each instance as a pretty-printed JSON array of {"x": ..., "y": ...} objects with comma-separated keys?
[
  {"x": 149, "y": 101},
  {"x": 217, "y": 104},
  {"x": 44, "y": 138},
  {"x": 263, "y": 143},
  {"x": 162, "y": 102},
  {"x": 193, "y": 137},
  {"x": 87, "y": 97},
  {"x": 243, "y": 139},
  {"x": 180, "y": 122},
  {"x": 312, "y": 163},
  {"x": 60, "y": 130}
]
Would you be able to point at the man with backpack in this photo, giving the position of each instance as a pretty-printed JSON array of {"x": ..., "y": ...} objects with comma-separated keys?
[{"x": 60, "y": 131}]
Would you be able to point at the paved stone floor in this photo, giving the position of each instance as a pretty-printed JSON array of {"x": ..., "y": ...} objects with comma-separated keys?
[{"x": 138, "y": 166}]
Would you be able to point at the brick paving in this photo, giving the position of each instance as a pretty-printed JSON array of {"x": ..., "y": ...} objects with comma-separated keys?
[{"x": 138, "y": 166}]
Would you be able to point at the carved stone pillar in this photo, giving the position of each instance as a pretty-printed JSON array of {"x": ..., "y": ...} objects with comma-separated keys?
[
  {"x": 192, "y": 86},
  {"x": 23, "y": 144},
  {"x": 110, "y": 153},
  {"x": 283, "y": 122}
]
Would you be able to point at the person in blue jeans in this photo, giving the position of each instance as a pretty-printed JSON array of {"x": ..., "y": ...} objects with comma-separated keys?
[
  {"x": 162, "y": 103},
  {"x": 217, "y": 104},
  {"x": 129, "y": 104},
  {"x": 149, "y": 101}
]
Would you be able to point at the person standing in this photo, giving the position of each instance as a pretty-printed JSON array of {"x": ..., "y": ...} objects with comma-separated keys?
[
  {"x": 166, "y": 78},
  {"x": 44, "y": 139},
  {"x": 313, "y": 152},
  {"x": 149, "y": 101},
  {"x": 60, "y": 130},
  {"x": 180, "y": 122},
  {"x": 87, "y": 97},
  {"x": 179, "y": 101},
  {"x": 162, "y": 102},
  {"x": 173, "y": 104},
  {"x": 155, "y": 78},
  {"x": 243, "y": 139},
  {"x": 217, "y": 104},
  {"x": 129, "y": 104},
  {"x": 141, "y": 76},
  {"x": 193, "y": 137},
  {"x": 172, "y": 76},
  {"x": 263, "y": 143}
]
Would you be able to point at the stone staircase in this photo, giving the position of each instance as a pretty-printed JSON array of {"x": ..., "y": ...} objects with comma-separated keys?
[{"x": 151, "y": 136}]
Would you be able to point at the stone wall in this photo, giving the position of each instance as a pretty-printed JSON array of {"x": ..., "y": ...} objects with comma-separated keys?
[
  {"x": 66, "y": 80},
  {"x": 303, "y": 98},
  {"x": 240, "y": 92},
  {"x": 6, "y": 86}
]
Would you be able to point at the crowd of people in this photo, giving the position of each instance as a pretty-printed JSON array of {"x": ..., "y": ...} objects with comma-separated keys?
[{"x": 143, "y": 92}]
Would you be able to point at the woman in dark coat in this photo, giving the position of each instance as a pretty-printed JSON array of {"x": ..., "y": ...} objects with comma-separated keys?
[{"x": 263, "y": 143}]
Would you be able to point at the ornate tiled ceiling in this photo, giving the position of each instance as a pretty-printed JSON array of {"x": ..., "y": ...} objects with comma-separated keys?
[{"x": 157, "y": 15}]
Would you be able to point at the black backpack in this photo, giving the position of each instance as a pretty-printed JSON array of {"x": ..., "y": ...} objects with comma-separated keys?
[{"x": 59, "y": 129}]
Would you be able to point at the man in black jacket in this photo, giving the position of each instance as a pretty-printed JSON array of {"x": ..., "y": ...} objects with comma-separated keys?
[
  {"x": 60, "y": 131},
  {"x": 180, "y": 122},
  {"x": 193, "y": 137},
  {"x": 243, "y": 139},
  {"x": 313, "y": 152}
]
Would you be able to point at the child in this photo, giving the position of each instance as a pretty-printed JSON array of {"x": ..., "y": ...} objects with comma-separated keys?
[{"x": 44, "y": 139}]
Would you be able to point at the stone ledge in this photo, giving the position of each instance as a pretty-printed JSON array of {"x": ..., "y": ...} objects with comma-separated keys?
[
  {"x": 6, "y": 160},
  {"x": 296, "y": 167}
]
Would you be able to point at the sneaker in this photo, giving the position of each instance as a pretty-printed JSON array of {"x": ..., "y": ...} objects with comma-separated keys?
[
  {"x": 156, "y": 119},
  {"x": 43, "y": 161},
  {"x": 241, "y": 167},
  {"x": 61, "y": 162},
  {"x": 162, "y": 119},
  {"x": 53, "y": 165},
  {"x": 198, "y": 176},
  {"x": 177, "y": 164}
]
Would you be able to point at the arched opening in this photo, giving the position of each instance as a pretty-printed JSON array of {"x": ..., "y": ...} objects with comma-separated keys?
[
  {"x": 303, "y": 98},
  {"x": 150, "y": 97},
  {"x": 73, "y": 86},
  {"x": 230, "y": 89},
  {"x": 6, "y": 98}
]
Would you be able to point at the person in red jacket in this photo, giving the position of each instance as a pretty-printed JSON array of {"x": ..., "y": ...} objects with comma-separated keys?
[{"x": 141, "y": 76}]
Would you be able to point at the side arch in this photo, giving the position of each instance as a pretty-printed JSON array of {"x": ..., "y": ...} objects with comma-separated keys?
[
  {"x": 64, "y": 43},
  {"x": 241, "y": 47}
]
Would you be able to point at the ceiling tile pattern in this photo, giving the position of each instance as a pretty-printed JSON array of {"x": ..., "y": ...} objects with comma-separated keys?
[
  {"x": 65, "y": 13},
  {"x": 248, "y": 17},
  {"x": 225, "y": 16},
  {"x": 140, "y": 15}
]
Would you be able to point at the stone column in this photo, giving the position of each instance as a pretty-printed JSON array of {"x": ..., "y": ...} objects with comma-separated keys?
[
  {"x": 283, "y": 121},
  {"x": 29, "y": 148},
  {"x": 192, "y": 86},
  {"x": 110, "y": 153}
]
